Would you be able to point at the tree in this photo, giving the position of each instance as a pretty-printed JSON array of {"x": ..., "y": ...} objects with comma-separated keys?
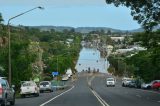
[
  {"x": 1, "y": 18},
  {"x": 146, "y": 12}
]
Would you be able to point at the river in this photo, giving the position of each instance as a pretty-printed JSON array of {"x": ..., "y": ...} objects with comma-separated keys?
[{"x": 89, "y": 58}]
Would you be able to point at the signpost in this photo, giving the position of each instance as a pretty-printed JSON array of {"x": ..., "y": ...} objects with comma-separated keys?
[{"x": 55, "y": 73}]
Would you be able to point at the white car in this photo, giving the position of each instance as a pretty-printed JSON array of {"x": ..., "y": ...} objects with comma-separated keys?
[
  {"x": 126, "y": 81},
  {"x": 146, "y": 86},
  {"x": 110, "y": 82},
  {"x": 29, "y": 88},
  {"x": 65, "y": 78},
  {"x": 45, "y": 86}
]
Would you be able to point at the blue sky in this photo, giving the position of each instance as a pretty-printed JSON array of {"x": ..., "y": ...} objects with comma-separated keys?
[{"x": 75, "y": 13}]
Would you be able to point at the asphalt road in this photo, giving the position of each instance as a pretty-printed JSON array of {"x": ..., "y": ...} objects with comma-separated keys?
[
  {"x": 78, "y": 96},
  {"x": 121, "y": 96},
  {"x": 81, "y": 95},
  {"x": 37, "y": 101}
]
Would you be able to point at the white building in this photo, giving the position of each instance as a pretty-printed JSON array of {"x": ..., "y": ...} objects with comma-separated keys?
[{"x": 116, "y": 39}]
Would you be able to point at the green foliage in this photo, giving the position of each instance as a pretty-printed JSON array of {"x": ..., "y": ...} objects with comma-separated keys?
[
  {"x": 148, "y": 40},
  {"x": 25, "y": 55},
  {"x": 1, "y": 18},
  {"x": 147, "y": 63}
]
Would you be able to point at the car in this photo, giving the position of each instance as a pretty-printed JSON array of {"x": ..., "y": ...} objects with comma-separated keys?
[
  {"x": 156, "y": 85},
  {"x": 45, "y": 86},
  {"x": 65, "y": 78},
  {"x": 132, "y": 84},
  {"x": 29, "y": 88},
  {"x": 7, "y": 93},
  {"x": 147, "y": 85},
  {"x": 110, "y": 82},
  {"x": 126, "y": 81},
  {"x": 135, "y": 83}
]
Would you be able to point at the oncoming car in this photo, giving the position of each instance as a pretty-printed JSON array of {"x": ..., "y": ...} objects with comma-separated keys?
[{"x": 110, "y": 82}]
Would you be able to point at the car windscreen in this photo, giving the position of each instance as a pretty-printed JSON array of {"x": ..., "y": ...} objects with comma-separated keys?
[
  {"x": 44, "y": 83},
  {"x": 128, "y": 80},
  {"x": 110, "y": 79},
  {"x": 27, "y": 84}
]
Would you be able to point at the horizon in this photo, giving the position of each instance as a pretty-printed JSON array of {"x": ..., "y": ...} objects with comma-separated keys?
[{"x": 75, "y": 27}]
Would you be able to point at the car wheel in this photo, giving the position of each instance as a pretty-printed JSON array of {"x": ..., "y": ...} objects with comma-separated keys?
[
  {"x": 22, "y": 95},
  {"x": 148, "y": 87},
  {"x": 13, "y": 101},
  {"x": 122, "y": 85},
  {"x": 37, "y": 94},
  {"x": 4, "y": 103}
]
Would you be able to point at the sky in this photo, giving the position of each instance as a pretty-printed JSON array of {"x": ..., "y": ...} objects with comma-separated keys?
[{"x": 74, "y": 13}]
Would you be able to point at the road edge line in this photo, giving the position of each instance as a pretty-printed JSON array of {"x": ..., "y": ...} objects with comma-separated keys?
[{"x": 56, "y": 96}]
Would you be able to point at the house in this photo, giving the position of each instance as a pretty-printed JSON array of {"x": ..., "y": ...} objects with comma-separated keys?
[{"x": 116, "y": 39}]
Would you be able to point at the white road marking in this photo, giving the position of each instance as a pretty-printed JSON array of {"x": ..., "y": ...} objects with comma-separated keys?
[
  {"x": 56, "y": 97},
  {"x": 158, "y": 101},
  {"x": 99, "y": 99},
  {"x": 102, "y": 99},
  {"x": 103, "y": 103}
]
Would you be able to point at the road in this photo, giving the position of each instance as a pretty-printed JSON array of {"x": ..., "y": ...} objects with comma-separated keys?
[
  {"x": 121, "y": 96},
  {"x": 81, "y": 95}
]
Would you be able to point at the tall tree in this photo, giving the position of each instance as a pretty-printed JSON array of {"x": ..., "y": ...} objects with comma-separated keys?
[
  {"x": 1, "y": 18},
  {"x": 146, "y": 12}
]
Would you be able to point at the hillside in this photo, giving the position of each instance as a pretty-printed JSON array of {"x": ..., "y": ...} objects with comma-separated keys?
[{"x": 78, "y": 29}]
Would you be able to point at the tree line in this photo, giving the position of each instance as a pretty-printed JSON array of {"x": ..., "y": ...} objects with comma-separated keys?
[{"x": 36, "y": 54}]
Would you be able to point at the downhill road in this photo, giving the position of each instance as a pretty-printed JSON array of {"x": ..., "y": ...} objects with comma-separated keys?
[
  {"x": 121, "y": 96},
  {"x": 81, "y": 95}
]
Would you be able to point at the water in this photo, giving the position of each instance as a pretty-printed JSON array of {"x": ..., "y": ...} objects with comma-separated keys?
[{"x": 90, "y": 58}]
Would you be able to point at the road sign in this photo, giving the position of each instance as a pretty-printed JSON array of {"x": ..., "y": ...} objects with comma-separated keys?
[{"x": 55, "y": 73}]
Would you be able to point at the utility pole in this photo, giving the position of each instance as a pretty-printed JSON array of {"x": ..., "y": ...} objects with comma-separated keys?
[{"x": 9, "y": 41}]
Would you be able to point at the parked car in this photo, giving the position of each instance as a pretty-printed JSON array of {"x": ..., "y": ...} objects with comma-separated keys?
[
  {"x": 110, "y": 82},
  {"x": 126, "y": 81},
  {"x": 7, "y": 93},
  {"x": 156, "y": 85},
  {"x": 147, "y": 85},
  {"x": 65, "y": 77},
  {"x": 29, "y": 88},
  {"x": 135, "y": 83},
  {"x": 132, "y": 84},
  {"x": 45, "y": 86}
]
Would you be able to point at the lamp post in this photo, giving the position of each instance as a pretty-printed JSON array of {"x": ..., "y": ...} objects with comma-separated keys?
[{"x": 9, "y": 42}]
